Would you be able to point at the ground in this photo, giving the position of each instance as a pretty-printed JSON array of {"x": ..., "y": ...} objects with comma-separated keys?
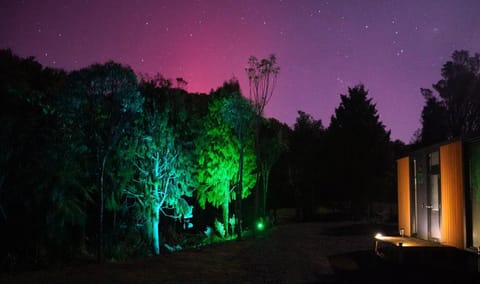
[{"x": 327, "y": 252}]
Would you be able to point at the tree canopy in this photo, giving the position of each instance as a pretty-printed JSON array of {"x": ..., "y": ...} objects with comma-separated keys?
[{"x": 454, "y": 111}]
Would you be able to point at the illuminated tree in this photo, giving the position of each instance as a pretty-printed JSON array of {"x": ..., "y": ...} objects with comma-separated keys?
[
  {"x": 239, "y": 115},
  {"x": 221, "y": 174},
  {"x": 217, "y": 167},
  {"x": 162, "y": 165}
]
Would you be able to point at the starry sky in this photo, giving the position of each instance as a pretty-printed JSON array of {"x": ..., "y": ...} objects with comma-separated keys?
[{"x": 323, "y": 47}]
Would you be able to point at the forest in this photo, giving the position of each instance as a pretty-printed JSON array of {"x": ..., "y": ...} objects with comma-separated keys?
[{"x": 102, "y": 164}]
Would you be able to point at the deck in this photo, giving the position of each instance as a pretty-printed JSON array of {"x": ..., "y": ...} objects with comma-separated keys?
[
  {"x": 406, "y": 241},
  {"x": 422, "y": 253}
]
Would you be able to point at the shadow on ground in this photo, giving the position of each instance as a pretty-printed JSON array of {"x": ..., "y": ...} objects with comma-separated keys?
[{"x": 416, "y": 267}]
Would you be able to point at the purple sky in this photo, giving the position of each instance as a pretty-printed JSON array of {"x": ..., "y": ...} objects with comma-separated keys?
[{"x": 323, "y": 47}]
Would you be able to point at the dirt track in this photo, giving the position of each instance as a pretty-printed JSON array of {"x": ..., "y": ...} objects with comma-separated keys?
[{"x": 291, "y": 253}]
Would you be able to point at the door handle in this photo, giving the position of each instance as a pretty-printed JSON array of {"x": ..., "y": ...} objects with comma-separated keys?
[{"x": 427, "y": 206}]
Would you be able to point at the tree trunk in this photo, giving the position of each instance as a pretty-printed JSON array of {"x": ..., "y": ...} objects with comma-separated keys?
[
  {"x": 258, "y": 162},
  {"x": 156, "y": 207},
  {"x": 155, "y": 232},
  {"x": 239, "y": 192},
  {"x": 265, "y": 181},
  {"x": 100, "y": 255},
  {"x": 225, "y": 216}
]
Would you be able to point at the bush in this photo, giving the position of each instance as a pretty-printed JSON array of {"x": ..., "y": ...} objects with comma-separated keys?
[{"x": 220, "y": 228}]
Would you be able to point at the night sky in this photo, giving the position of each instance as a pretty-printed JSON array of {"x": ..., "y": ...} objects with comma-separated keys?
[{"x": 322, "y": 47}]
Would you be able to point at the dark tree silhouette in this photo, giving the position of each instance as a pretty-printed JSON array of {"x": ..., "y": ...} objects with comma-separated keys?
[
  {"x": 272, "y": 143},
  {"x": 434, "y": 120},
  {"x": 359, "y": 152},
  {"x": 459, "y": 92},
  {"x": 104, "y": 97},
  {"x": 307, "y": 166}
]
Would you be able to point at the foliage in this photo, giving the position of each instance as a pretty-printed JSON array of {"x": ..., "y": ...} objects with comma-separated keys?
[
  {"x": 434, "y": 120},
  {"x": 101, "y": 101},
  {"x": 224, "y": 133},
  {"x": 91, "y": 155},
  {"x": 220, "y": 228},
  {"x": 262, "y": 78},
  {"x": 455, "y": 111}
]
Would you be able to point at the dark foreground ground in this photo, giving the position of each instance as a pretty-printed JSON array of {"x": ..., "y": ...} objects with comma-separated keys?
[{"x": 291, "y": 253}]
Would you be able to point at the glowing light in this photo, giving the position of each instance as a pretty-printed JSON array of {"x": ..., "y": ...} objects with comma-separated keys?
[
  {"x": 260, "y": 226},
  {"x": 378, "y": 236}
]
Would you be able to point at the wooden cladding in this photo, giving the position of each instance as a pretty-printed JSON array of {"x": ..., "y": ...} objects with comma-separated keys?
[
  {"x": 403, "y": 189},
  {"x": 452, "y": 195}
]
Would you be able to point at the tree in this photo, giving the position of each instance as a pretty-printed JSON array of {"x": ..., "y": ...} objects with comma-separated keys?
[
  {"x": 219, "y": 147},
  {"x": 217, "y": 151},
  {"x": 104, "y": 98},
  {"x": 262, "y": 78},
  {"x": 272, "y": 142},
  {"x": 239, "y": 115},
  {"x": 163, "y": 178},
  {"x": 459, "y": 93},
  {"x": 44, "y": 212},
  {"x": 307, "y": 163},
  {"x": 358, "y": 148},
  {"x": 434, "y": 120}
]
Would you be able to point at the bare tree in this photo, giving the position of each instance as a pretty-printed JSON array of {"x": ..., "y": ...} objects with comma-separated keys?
[{"x": 262, "y": 78}]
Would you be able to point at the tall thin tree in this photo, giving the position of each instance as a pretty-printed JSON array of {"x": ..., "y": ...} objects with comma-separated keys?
[{"x": 262, "y": 78}]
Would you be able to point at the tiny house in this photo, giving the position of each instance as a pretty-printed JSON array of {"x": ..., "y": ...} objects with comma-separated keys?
[{"x": 439, "y": 194}]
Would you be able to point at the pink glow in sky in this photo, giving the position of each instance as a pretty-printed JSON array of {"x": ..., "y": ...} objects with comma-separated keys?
[{"x": 322, "y": 47}]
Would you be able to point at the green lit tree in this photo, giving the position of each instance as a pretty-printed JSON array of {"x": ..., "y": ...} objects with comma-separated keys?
[
  {"x": 218, "y": 148},
  {"x": 217, "y": 165},
  {"x": 239, "y": 114}
]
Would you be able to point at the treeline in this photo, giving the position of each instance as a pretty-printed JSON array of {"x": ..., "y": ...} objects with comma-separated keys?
[
  {"x": 96, "y": 163},
  {"x": 453, "y": 111}
]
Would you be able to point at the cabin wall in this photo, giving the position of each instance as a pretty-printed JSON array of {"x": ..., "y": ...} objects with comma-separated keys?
[
  {"x": 474, "y": 185},
  {"x": 403, "y": 190},
  {"x": 452, "y": 195}
]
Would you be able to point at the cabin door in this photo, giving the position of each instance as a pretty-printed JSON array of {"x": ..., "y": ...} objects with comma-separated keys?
[
  {"x": 427, "y": 196},
  {"x": 433, "y": 196}
]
